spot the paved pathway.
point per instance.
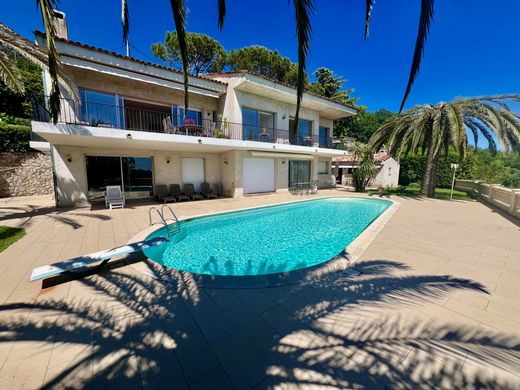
(437, 305)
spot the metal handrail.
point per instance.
(176, 228)
(129, 118)
(150, 215)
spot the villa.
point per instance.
(387, 174)
(130, 128)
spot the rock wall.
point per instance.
(25, 174)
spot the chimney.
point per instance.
(60, 24)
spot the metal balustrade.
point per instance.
(129, 118)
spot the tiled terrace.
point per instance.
(437, 305)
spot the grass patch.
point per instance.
(9, 235)
(413, 192)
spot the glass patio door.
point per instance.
(299, 172)
(133, 174)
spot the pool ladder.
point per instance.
(172, 228)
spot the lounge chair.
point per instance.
(189, 189)
(114, 198)
(207, 192)
(175, 191)
(161, 191)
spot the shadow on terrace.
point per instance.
(138, 331)
(26, 214)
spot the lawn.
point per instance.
(9, 235)
(413, 192)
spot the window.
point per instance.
(192, 114)
(304, 134)
(257, 125)
(324, 137)
(299, 172)
(102, 109)
(133, 174)
(323, 167)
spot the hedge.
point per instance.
(14, 138)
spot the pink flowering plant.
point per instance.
(189, 121)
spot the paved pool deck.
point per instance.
(437, 305)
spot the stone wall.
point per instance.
(25, 174)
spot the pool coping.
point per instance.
(339, 263)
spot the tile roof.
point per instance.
(228, 73)
(379, 157)
(113, 53)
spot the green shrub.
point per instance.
(14, 138)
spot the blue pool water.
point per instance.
(269, 239)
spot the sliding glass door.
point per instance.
(102, 109)
(299, 172)
(257, 125)
(304, 133)
(133, 174)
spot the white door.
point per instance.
(258, 175)
(193, 171)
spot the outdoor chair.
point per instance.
(161, 191)
(114, 198)
(207, 192)
(175, 191)
(189, 189)
(314, 187)
(168, 127)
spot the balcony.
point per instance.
(129, 118)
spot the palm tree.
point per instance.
(11, 42)
(365, 166)
(431, 128)
(303, 11)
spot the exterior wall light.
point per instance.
(283, 162)
(69, 158)
(129, 136)
(167, 160)
(226, 161)
(284, 116)
(200, 141)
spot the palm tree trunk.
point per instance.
(430, 173)
(433, 178)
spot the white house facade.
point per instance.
(128, 127)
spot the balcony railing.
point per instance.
(129, 118)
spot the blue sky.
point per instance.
(473, 47)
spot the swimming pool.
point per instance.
(267, 240)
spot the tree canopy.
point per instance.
(330, 85)
(205, 54)
(362, 125)
(264, 62)
(19, 104)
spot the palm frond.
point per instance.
(179, 17)
(221, 13)
(422, 34)
(53, 59)
(303, 9)
(368, 15)
(474, 131)
(125, 21)
(10, 74)
(34, 54)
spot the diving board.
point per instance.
(55, 269)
